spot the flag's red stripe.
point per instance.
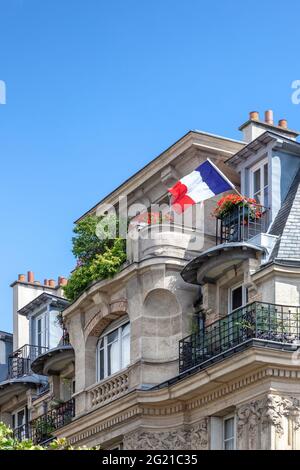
(180, 199)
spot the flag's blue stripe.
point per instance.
(212, 178)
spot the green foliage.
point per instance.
(97, 258)
(8, 442)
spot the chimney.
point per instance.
(21, 278)
(254, 127)
(283, 123)
(37, 283)
(30, 277)
(269, 117)
(51, 283)
(46, 282)
(254, 116)
(62, 281)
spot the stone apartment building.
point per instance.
(189, 346)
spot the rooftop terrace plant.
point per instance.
(97, 257)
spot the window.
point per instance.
(259, 183)
(41, 338)
(238, 297)
(19, 422)
(229, 433)
(113, 351)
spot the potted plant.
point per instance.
(227, 205)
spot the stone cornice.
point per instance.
(272, 269)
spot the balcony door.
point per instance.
(41, 339)
(259, 183)
(238, 297)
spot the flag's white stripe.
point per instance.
(197, 189)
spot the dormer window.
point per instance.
(259, 183)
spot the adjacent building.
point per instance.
(194, 343)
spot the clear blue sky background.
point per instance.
(96, 89)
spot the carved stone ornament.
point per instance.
(267, 411)
(196, 438)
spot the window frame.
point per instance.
(244, 296)
(44, 317)
(14, 417)
(119, 328)
(233, 438)
(259, 166)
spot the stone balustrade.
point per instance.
(109, 389)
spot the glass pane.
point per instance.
(229, 428)
(113, 336)
(101, 343)
(266, 174)
(125, 351)
(101, 364)
(21, 417)
(113, 358)
(256, 181)
(266, 197)
(126, 329)
(237, 297)
(228, 445)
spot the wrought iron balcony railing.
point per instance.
(19, 362)
(21, 432)
(241, 224)
(42, 428)
(274, 325)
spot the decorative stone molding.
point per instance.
(195, 438)
(168, 440)
(107, 313)
(199, 435)
(257, 417)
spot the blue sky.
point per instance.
(96, 89)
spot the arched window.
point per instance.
(113, 350)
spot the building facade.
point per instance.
(194, 343)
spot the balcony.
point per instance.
(53, 361)
(41, 429)
(109, 389)
(241, 224)
(19, 362)
(21, 432)
(256, 324)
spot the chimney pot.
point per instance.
(254, 116)
(37, 282)
(63, 281)
(45, 282)
(283, 123)
(51, 283)
(30, 277)
(21, 277)
(269, 117)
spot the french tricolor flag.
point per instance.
(203, 183)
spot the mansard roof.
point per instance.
(287, 226)
(261, 141)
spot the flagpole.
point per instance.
(225, 177)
